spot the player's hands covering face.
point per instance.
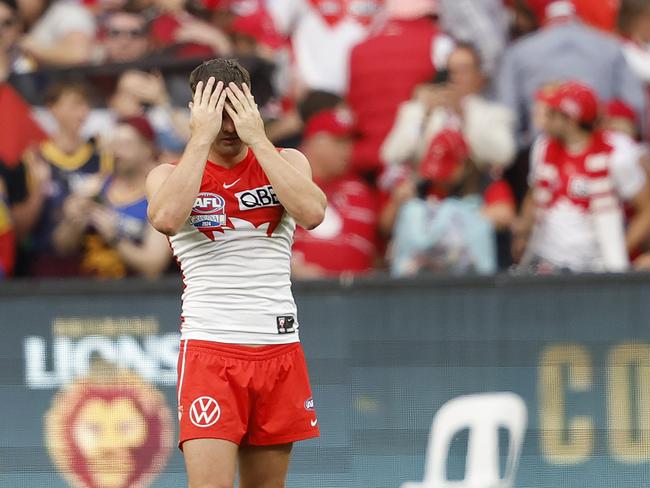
(243, 111)
(207, 110)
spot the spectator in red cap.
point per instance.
(345, 243)
(110, 229)
(564, 48)
(451, 227)
(386, 67)
(580, 178)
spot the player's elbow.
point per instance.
(313, 217)
(163, 223)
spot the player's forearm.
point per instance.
(143, 260)
(171, 204)
(299, 195)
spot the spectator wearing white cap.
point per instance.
(564, 48)
(63, 36)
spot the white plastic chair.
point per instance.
(483, 414)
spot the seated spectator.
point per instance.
(63, 36)
(145, 94)
(124, 37)
(580, 179)
(7, 238)
(111, 228)
(564, 48)
(345, 243)
(411, 42)
(450, 227)
(69, 164)
(184, 35)
(457, 104)
(138, 93)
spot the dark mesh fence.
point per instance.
(87, 379)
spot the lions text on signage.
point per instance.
(209, 211)
(205, 411)
(262, 196)
(128, 342)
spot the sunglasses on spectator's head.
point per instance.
(125, 32)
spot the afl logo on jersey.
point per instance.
(209, 211)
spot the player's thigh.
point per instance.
(210, 463)
(264, 466)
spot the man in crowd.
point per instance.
(345, 243)
(580, 178)
(111, 228)
(66, 164)
(455, 103)
(564, 48)
(125, 37)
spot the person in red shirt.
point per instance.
(345, 243)
(385, 68)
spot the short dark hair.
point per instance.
(225, 70)
(316, 101)
(629, 10)
(11, 5)
(57, 90)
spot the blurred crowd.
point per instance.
(450, 136)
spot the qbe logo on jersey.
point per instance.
(205, 411)
(209, 211)
(262, 196)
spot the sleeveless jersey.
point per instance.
(234, 252)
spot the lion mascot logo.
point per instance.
(109, 430)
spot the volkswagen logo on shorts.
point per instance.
(205, 411)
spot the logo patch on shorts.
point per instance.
(309, 404)
(285, 324)
(205, 411)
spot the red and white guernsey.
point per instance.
(579, 199)
(235, 252)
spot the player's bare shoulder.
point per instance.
(157, 177)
